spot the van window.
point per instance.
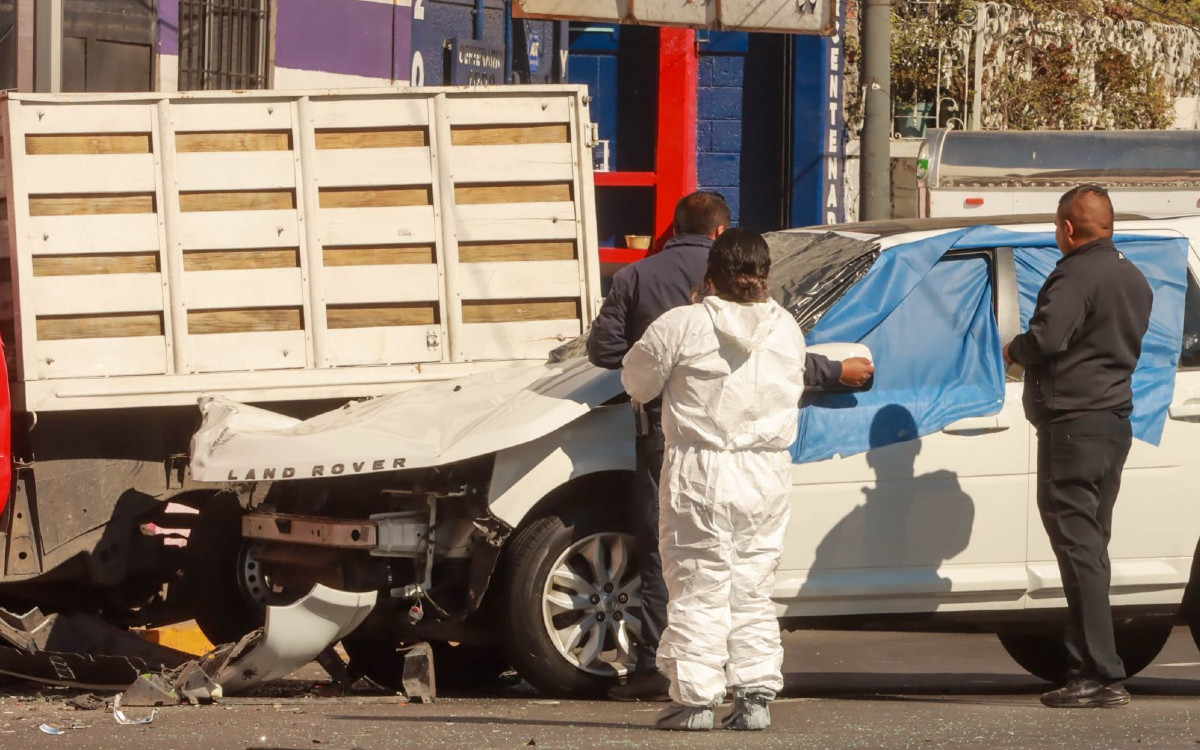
(1189, 356)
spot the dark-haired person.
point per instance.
(640, 293)
(1082, 346)
(730, 371)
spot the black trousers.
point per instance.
(1079, 475)
(645, 530)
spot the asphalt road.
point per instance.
(844, 690)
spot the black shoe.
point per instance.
(1086, 693)
(643, 685)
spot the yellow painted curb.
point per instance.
(186, 638)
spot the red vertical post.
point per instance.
(675, 154)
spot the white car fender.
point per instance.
(601, 440)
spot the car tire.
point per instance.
(1044, 654)
(210, 572)
(542, 555)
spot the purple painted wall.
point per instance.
(168, 27)
(352, 37)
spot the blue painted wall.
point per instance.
(743, 124)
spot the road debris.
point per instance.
(87, 702)
(52, 729)
(121, 718)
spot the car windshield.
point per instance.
(810, 272)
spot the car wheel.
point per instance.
(228, 586)
(573, 599)
(211, 572)
(1044, 654)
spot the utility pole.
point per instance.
(25, 34)
(875, 195)
(48, 48)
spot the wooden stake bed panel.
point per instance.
(165, 244)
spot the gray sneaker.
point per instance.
(750, 709)
(686, 718)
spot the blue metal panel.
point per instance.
(445, 20)
(810, 129)
(818, 129)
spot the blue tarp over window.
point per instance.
(931, 327)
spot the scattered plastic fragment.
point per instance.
(121, 718)
(52, 729)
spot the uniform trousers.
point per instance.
(1080, 460)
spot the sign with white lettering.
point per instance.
(784, 16)
(475, 64)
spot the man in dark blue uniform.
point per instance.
(640, 293)
(1082, 346)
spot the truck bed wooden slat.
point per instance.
(247, 170)
(95, 264)
(267, 287)
(378, 166)
(91, 204)
(79, 295)
(517, 340)
(465, 136)
(233, 142)
(346, 113)
(109, 144)
(229, 260)
(372, 226)
(140, 355)
(484, 252)
(520, 109)
(119, 325)
(109, 173)
(384, 346)
(237, 200)
(70, 235)
(373, 138)
(264, 114)
(472, 195)
(239, 230)
(515, 280)
(219, 352)
(380, 197)
(371, 284)
(257, 319)
(375, 315)
(519, 310)
(45, 117)
(537, 163)
(509, 222)
(379, 255)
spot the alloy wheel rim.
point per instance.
(592, 604)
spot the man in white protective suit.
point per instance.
(730, 370)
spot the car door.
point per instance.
(1156, 522)
(933, 524)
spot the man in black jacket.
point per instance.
(640, 293)
(1082, 346)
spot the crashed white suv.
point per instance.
(492, 512)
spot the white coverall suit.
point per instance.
(731, 376)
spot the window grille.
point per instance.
(223, 44)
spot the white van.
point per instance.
(518, 543)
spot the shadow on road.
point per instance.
(910, 686)
(494, 720)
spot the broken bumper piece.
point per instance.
(294, 636)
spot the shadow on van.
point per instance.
(906, 523)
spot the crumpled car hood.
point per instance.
(427, 425)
